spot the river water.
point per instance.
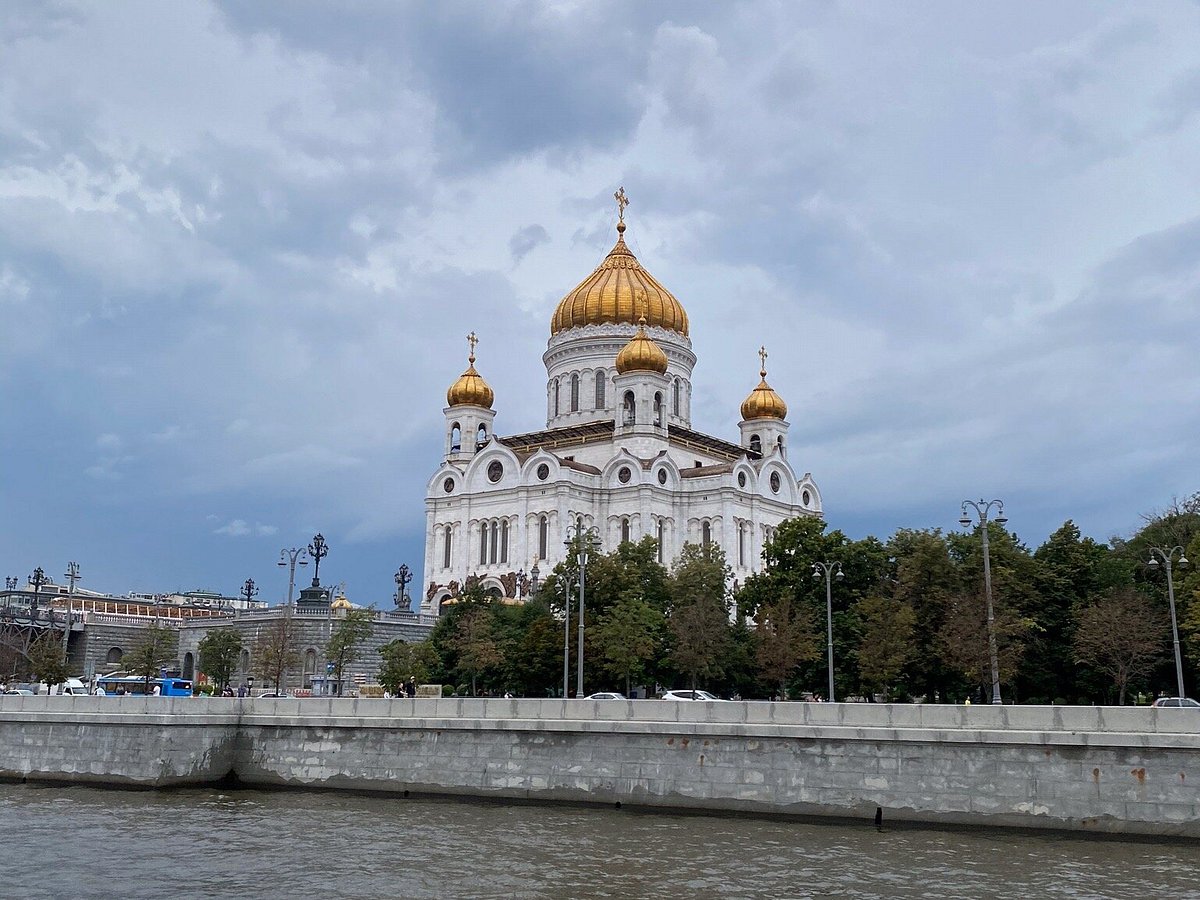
(87, 842)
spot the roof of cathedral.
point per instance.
(702, 471)
(763, 402)
(685, 436)
(470, 389)
(552, 438)
(617, 292)
(641, 354)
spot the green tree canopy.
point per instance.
(699, 614)
(157, 646)
(628, 636)
(345, 643)
(47, 661)
(219, 653)
(402, 661)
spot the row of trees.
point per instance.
(1076, 620)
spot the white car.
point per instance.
(605, 695)
(689, 695)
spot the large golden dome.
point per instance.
(619, 291)
(763, 402)
(641, 354)
(470, 389)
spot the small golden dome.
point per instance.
(641, 354)
(617, 292)
(763, 402)
(470, 389)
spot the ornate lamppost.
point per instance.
(1168, 556)
(831, 570)
(38, 579)
(403, 577)
(583, 541)
(249, 591)
(317, 551)
(291, 559)
(10, 583)
(72, 575)
(982, 508)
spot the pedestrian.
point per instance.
(241, 690)
(410, 687)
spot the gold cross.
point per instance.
(622, 202)
(472, 340)
(762, 356)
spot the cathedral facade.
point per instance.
(618, 456)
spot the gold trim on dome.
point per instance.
(763, 402)
(611, 293)
(470, 389)
(641, 354)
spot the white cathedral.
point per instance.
(618, 455)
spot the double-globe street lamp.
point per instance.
(982, 509)
(831, 570)
(291, 559)
(1168, 556)
(403, 576)
(583, 541)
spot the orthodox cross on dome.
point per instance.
(762, 358)
(472, 340)
(641, 305)
(622, 202)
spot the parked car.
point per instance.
(605, 695)
(689, 695)
(272, 694)
(20, 692)
(1176, 702)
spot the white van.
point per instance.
(71, 687)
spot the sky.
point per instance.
(241, 246)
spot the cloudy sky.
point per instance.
(241, 245)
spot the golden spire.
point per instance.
(763, 402)
(622, 202)
(470, 389)
(641, 354)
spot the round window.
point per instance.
(805, 498)
(662, 476)
(495, 471)
(448, 485)
(741, 479)
(624, 475)
(775, 482)
(543, 472)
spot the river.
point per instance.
(88, 842)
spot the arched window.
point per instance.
(189, 666)
(114, 655)
(481, 436)
(578, 524)
(495, 540)
(624, 531)
(629, 407)
(310, 666)
(245, 663)
(483, 534)
(741, 545)
(455, 438)
(504, 541)
(706, 535)
(675, 398)
(658, 416)
(447, 547)
(660, 540)
(575, 392)
(779, 442)
(543, 536)
(556, 396)
(755, 443)
(601, 377)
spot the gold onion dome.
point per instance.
(641, 354)
(763, 402)
(617, 292)
(470, 389)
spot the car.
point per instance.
(1176, 702)
(689, 695)
(20, 692)
(272, 694)
(605, 695)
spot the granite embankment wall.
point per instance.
(1107, 769)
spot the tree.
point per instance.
(47, 661)
(402, 661)
(276, 649)
(699, 617)
(346, 641)
(475, 644)
(786, 632)
(888, 641)
(627, 636)
(219, 653)
(1123, 635)
(158, 645)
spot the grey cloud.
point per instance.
(524, 241)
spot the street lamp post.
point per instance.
(38, 579)
(584, 540)
(291, 559)
(830, 570)
(317, 551)
(1168, 557)
(403, 577)
(72, 576)
(982, 508)
(249, 591)
(565, 587)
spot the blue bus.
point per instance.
(122, 685)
